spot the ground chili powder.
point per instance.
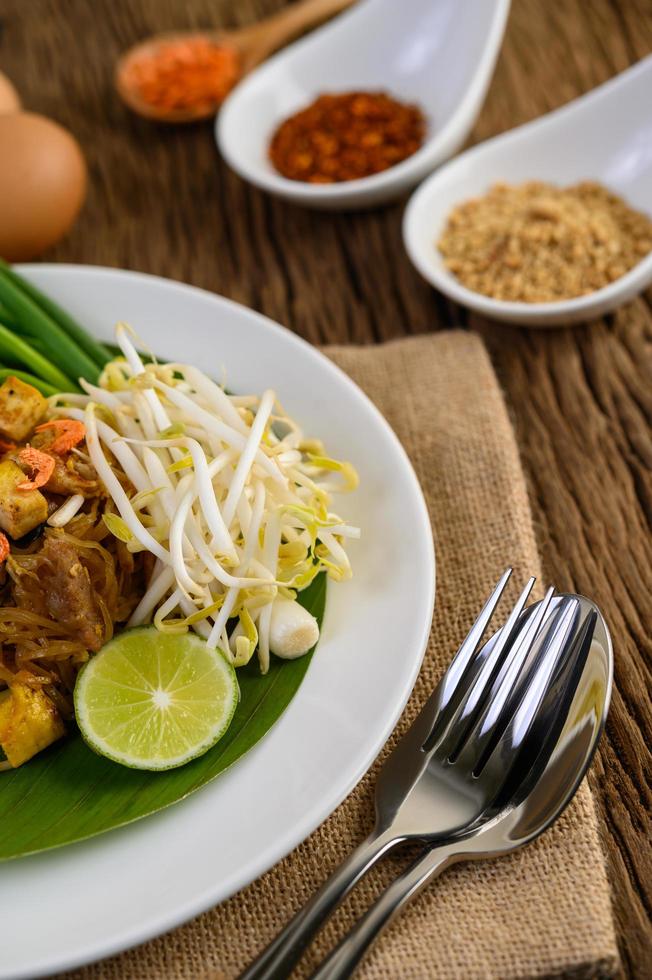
(188, 73)
(346, 136)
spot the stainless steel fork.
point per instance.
(449, 768)
(558, 735)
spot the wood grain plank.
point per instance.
(162, 201)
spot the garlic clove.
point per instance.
(293, 630)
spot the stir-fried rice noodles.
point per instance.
(152, 497)
(46, 632)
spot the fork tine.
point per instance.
(459, 675)
(471, 746)
(540, 678)
(450, 682)
(475, 694)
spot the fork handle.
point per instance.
(283, 953)
(345, 957)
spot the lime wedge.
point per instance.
(152, 700)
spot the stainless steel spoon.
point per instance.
(460, 757)
(571, 720)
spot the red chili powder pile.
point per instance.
(189, 74)
(346, 136)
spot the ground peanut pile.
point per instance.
(536, 243)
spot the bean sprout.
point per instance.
(227, 494)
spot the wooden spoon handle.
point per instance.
(260, 40)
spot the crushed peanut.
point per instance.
(536, 243)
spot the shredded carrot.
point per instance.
(4, 547)
(6, 446)
(41, 464)
(69, 433)
(193, 73)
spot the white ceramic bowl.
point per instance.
(437, 53)
(605, 136)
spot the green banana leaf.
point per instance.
(68, 793)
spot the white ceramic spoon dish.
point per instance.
(604, 136)
(437, 53)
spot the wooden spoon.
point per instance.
(253, 44)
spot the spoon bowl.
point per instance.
(604, 136)
(147, 49)
(439, 54)
(553, 782)
(252, 44)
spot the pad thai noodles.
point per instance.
(152, 497)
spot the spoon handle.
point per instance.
(340, 964)
(273, 32)
(278, 959)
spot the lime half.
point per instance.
(152, 700)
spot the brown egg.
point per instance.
(42, 184)
(9, 101)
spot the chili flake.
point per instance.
(346, 136)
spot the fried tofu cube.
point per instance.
(28, 723)
(21, 408)
(20, 510)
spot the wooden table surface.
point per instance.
(162, 201)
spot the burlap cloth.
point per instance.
(543, 911)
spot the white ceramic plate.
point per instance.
(85, 901)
